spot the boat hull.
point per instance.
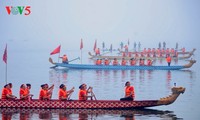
(117, 67)
(76, 104)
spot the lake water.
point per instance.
(32, 66)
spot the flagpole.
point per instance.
(58, 57)
(81, 56)
(6, 74)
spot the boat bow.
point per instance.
(189, 64)
(176, 91)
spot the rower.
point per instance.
(45, 92)
(28, 87)
(98, 62)
(23, 95)
(6, 94)
(141, 62)
(115, 62)
(129, 92)
(149, 62)
(123, 62)
(63, 93)
(83, 92)
(64, 59)
(132, 61)
(106, 61)
(10, 87)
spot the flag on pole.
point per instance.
(95, 45)
(5, 55)
(57, 50)
(81, 45)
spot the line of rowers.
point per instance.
(63, 93)
(154, 52)
(124, 62)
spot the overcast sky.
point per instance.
(65, 22)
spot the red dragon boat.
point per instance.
(91, 104)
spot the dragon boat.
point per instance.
(139, 57)
(91, 104)
(179, 52)
(120, 67)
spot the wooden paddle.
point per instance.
(71, 91)
(93, 95)
(78, 58)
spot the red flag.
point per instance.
(57, 50)
(5, 55)
(95, 45)
(81, 46)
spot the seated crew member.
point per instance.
(115, 62)
(141, 62)
(83, 92)
(28, 87)
(6, 94)
(64, 59)
(97, 62)
(44, 93)
(123, 62)
(10, 87)
(129, 92)
(149, 62)
(106, 62)
(63, 93)
(23, 94)
(132, 62)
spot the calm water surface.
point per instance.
(33, 67)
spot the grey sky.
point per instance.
(65, 22)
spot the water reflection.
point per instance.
(83, 114)
(62, 75)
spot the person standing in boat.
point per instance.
(97, 51)
(168, 59)
(63, 94)
(83, 92)
(6, 94)
(64, 59)
(129, 92)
